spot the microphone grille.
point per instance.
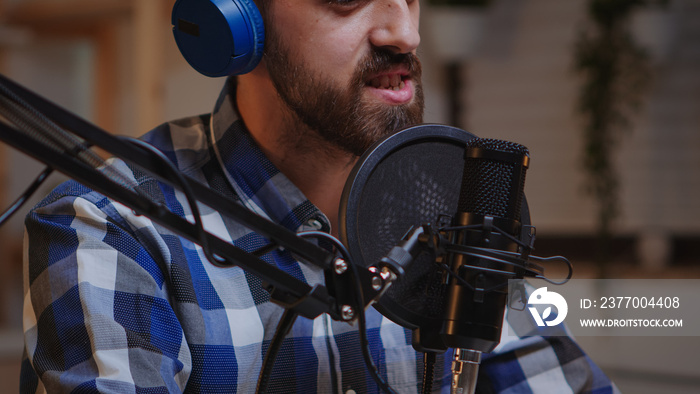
(497, 145)
(493, 181)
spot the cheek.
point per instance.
(326, 43)
(335, 55)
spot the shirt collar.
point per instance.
(261, 186)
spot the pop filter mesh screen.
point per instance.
(411, 178)
(413, 185)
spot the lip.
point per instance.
(390, 96)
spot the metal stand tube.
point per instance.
(465, 369)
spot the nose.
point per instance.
(397, 25)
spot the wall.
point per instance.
(520, 85)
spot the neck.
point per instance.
(318, 168)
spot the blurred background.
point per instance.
(604, 93)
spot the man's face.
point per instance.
(346, 68)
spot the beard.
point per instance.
(340, 115)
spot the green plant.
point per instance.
(615, 74)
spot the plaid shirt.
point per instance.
(114, 303)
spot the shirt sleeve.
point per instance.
(97, 316)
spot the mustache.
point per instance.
(380, 60)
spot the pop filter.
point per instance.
(405, 180)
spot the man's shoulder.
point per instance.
(176, 139)
(189, 133)
(71, 199)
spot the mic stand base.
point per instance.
(465, 369)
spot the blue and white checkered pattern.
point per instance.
(114, 303)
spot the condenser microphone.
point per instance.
(470, 192)
(487, 221)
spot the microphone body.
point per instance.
(488, 218)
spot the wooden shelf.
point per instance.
(48, 12)
(100, 21)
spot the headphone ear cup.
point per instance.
(219, 37)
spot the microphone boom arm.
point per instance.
(286, 290)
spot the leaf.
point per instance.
(546, 313)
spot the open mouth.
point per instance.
(392, 81)
(394, 87)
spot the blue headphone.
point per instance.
(219, 37)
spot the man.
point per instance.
(115, 303)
